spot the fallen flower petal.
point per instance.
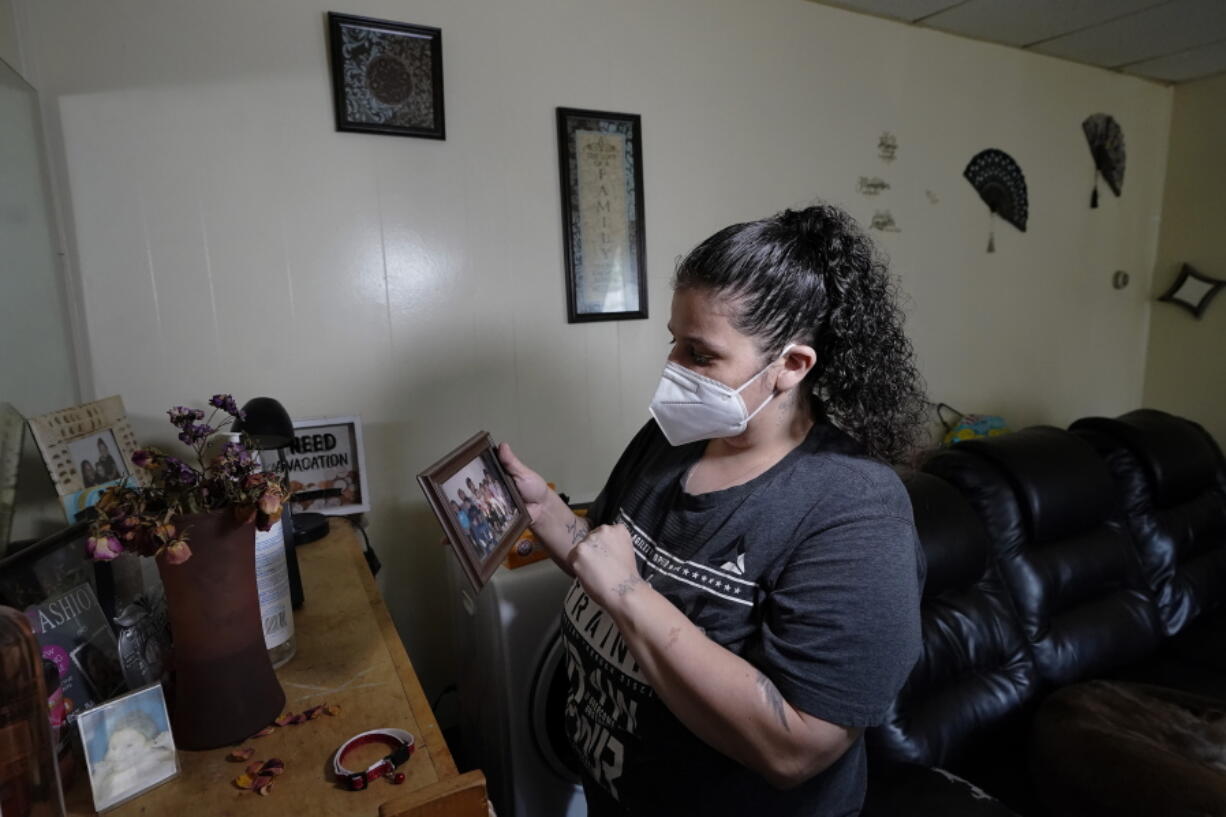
(313, 712)
(244, 781)
(239, 755)
(267, 730)
(284, 719)
(333, 709)
(263, 784)
(254, 768)
(273, 766)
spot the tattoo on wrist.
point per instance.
(773, 699)
(577, 528)
(629, 584)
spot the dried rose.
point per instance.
(103, 547)
(177, 552)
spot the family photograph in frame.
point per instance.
(477, 504)
(86, 448)
(129, 748)
(600, 159)
(387, 77)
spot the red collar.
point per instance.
(402, 748)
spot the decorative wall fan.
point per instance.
(1001, 185)
(1107, 147)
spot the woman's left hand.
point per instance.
(604, 564)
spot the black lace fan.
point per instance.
(1001, 185)
(1107, 147)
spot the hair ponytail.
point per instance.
(812, 276)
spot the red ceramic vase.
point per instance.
(224, 689)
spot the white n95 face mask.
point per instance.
(689, 407)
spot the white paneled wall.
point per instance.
(226, 237)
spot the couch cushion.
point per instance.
(908, 790)
(1108, 749)
(1063, 550)
(975, 672)
(1172, 490)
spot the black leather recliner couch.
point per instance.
(1056, 560)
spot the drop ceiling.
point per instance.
(1164, 40)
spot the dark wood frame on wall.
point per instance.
(631, 127)
(477, 568)
(335, 22)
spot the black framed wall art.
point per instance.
(387, 77)
(600, 156)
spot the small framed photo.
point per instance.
(129, 748)
(600, 156)
(477, 504)
(326, 466)
(387, 77)
(86, 448)
(12, 435)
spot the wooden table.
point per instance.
(349, 654)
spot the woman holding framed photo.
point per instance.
(746, 596)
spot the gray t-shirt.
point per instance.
(811, 572)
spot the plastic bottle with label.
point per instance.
(272, 582)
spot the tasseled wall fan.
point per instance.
(1001, 185)
(1107, 147)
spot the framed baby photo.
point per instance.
(86, 449)
(129, 748)
(477, 504)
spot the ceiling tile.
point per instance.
(1194, 64)
(906, 10)
(1022, 23)
(1174, 26)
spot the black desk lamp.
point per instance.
(268, 425)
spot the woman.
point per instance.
(747, 583)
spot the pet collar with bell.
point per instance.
(402, 747)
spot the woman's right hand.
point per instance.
(530, 484)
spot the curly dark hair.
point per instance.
(812, 276)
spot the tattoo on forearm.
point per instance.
(628, 585)
(673, 634)
(577, 528)
(773, 699)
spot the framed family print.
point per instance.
(387, 77)
(86, 449)
(325, 466)
(129, 748)
(477, 505)
(600, 156)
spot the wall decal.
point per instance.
(871, 186)
(1107, 147)
(887, 146)
(883, 220)
(933, 198)
(1001, 185)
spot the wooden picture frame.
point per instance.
(480, 542)
(600, 161)
(387, 77)
(71, 439)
